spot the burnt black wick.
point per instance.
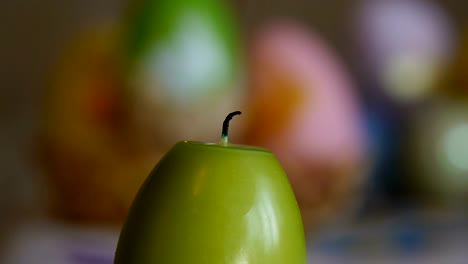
(224, 134)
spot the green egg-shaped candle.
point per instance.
(182, 62)
(207, 203)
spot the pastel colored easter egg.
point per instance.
(89, 153)
(304, 108)
(438, 154)
(183, 64)
(403, 46)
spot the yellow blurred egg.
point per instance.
(90, 155)
(303, 107)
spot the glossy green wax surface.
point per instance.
(213, 204)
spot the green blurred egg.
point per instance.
(182, 62)
(439, 154)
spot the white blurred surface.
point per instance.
(47, 242)
(414, 238)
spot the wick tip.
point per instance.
(224, 133)
(234, 114)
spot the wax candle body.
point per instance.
(210, 203)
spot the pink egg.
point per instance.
(305, 110)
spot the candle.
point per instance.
(214, 203)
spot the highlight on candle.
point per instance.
(224, 133)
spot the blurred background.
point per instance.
(365, 104)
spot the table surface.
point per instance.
(404, 239)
